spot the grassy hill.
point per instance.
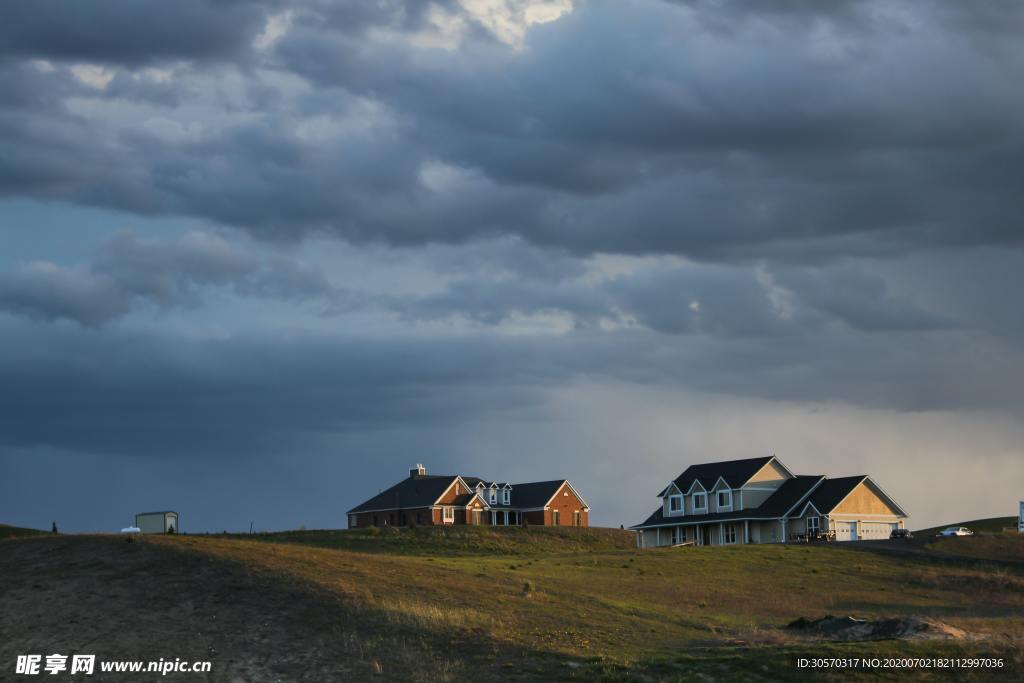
(17, 531)
(519, 604)
(992, 525)
(459, 540)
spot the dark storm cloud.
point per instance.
(717, 144)
(143, 396)
(128, 271)
(131, 32)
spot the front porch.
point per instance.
(697, 534)
(505, 517)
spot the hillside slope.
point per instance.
(7, 531)
(991, 525)
(263, 610)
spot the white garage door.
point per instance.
(846, 531)
(872, 531)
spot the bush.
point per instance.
(372, 530)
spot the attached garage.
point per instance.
(846, 531)
(873, 531)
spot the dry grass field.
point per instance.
(534, 604)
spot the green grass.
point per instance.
(17, 531)
(992, 525)
(457, 540)
(587, 597)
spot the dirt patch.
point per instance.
(851, 629)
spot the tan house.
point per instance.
(424, 500)
(759, 500)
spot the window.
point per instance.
(554, 517)
(577, 518)
(675, 503)
(700, 501)
(494, 496)
(448, 514)
(812, 525)
(725, 499)
(729, 533)
(677, 535)
(506, 496)
(353, 521)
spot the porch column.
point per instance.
(658, 532)
(506, 517)
(721, 533)
(746, 531)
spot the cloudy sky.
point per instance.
(259, 258)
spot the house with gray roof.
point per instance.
(423, 499)
(759, 500)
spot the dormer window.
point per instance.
(700, 502)
(494, 496)
(675, 504)
(724, 499)
(506, 497)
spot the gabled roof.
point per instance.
(411, 492)
(787, 501)
(465, 499)
(789, 495)
(534, 494)
(736, 473)
(424, 492)
(832, 491)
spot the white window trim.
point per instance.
(448, 514)
(731, 525)
(506, 497)
(494, 497)
(682, 504)
(817, 524)
(720, 506)
(703, 508)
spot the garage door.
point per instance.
(846, 531)
(872, 531)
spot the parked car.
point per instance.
(901, 534)
(955, 531)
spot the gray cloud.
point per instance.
(800, 203)
(730, 144)
(127, 32)
(129, 270)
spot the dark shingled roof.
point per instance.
(828, 495)
(735, 472)
(424, 491)
(409, 493)
(789, 494)
(534, 494)
(462, 500)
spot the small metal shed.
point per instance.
(162, 522)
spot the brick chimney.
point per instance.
(418, 472)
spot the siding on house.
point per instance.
(769, 504)
(422, 499)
